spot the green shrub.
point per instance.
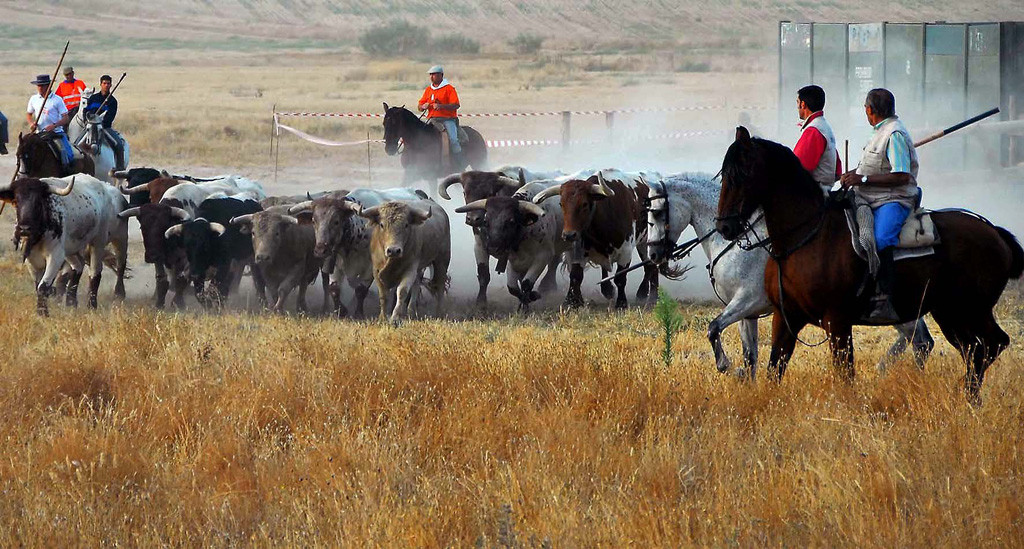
(455, 43)
(670, 319)
(395, 38)
(526, 43)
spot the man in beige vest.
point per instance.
(887, 179)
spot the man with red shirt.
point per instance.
(816, 148)
(441, 103)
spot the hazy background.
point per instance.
(204, 77)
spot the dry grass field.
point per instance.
(129, 426)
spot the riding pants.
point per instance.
(452, 129)
(889, 220)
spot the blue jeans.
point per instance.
(65, 149)
(453, 133)
(3, 129)
(889, 220)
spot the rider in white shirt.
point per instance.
(53, 118)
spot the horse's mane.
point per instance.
(779, 161)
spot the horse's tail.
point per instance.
(1017, 261)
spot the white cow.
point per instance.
(62, 219)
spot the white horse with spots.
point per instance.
(737, 275)
(86, 132)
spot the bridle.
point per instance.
(666, 241)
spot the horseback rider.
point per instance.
(109, 103)
(3, 133)
(816, 147)
(53, 119)
(70, 90)
(441, 102)
(886, 179)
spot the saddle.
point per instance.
(918, 236)
(53, 140)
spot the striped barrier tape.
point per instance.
(549, 113)
(505, 143)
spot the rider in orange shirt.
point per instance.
(441, 102)
(70, 90)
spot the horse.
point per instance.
(86, 132)
(737, 275)
(421, 157)
(813, 274)
(36, 159)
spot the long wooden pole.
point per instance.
(52, 80)
(956, 127)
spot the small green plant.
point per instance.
(670, 319)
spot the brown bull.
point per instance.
(605, 221)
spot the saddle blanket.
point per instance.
(917, 238)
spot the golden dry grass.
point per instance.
(129, 426)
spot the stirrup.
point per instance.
(882, 311)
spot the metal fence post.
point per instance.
(566, 130)
(609, 122)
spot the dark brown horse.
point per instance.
(36, 159)
(813, 275)
(421, 157)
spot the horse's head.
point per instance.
(397, 123)
(744, 182)
(32, 152)
(664, 224)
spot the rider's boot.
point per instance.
(882, 311)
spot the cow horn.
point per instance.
(419, 215)
(547, 193)
(63, 191)
(175, 230)
(475, 205)
(240, 219)
(352, 205)
(144, 188)
(180, 213)
(442, 188)
(509, 182)
(118, 175)
(373, 214)
(601, 188)
(291, 219)
(130, 212)
(522, 178)
(301, 207)
(526, 206)
(218, 228)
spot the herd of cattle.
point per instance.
(206, 232)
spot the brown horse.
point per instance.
(36, 159)
(813, 275)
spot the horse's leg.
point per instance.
(978, 338)
(993, 341)
(742, 305)
(748, 335)
(923, 343)
(783, 343)
(483, 270)
(840, 339)
(909, 332)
